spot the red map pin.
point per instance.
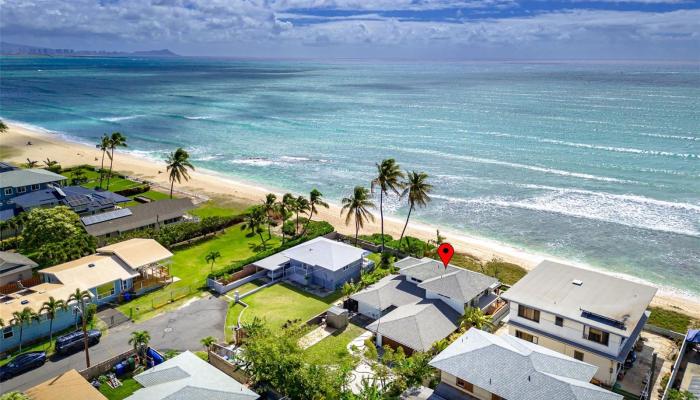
(446, 251)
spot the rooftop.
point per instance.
(325, 253)
(596, 299)
(392, 290)
(33, 298)
(424, 269)
(10, 261)
(25, 177)
(137, 253)
(519, 370)
(91, 271)
(68, 385)
(462, 285)
(272, 263)
(142, 215)
(188, 377)
(78, 198)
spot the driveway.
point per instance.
(180, 329)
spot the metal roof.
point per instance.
(106, 216)
(143, 215)
(25, 177)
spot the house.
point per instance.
(188, 377)
(423, 303)
(587, 315)
(15, 267)
(16, 182)
(68, 385)
(685, 372)
(82, 201)
(148, 215)
(319, 262)
(117, 271)
(480, 365)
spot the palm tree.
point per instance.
(301, 205)
(178, 162)
(103, 146)
(388, 179)
(80, 296)
(208, 341)
(212, 256)
(50, 163)
(116, 140)
(285, 207)
(315, 199)
(416, 189)
(21, 318)
(357, 206)
(254, 221)
(140, 339)
(51, 307)
(474, 317)
(31, 163)
(269, 208)
(3, 127)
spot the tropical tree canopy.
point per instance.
(3, 127)
(357, 206)
(54, 235)
(388, 179)
(177, 164)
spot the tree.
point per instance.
(301, 205)
(475, 318)
(78, 176)
(211, 257)
(51, 307)
(269, 208)
(357, 206)
(348, 289)
(253, 222)
(140, 339)
(285, 208)
(79, 296)
(178, 162)
(208, 341)
(31, 163)
(55, 235)
(674, 394)
(315, 200)
(116, 140)
(52, 165)
(3, 127)
(14, 395)
(416, 189)
(388, 179)
(21, 318)
(103, 146)
(414, 369)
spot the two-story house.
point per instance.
(16, 182)
(587, 315)
(423, 303)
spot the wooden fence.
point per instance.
(15, 287)
(105, 366)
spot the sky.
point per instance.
(365, 29)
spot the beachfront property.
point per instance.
(188, 377)
(319, 263)
(685, 375)
(15, 267)
(114, 273)
(16, 182)
(587, 315)
(68, 385)
(82, 201)
(483, 366)
(148, 215)
(423, 303)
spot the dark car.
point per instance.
(73, 342)
(631, 358)
(22, 363)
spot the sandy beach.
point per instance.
(15, 149)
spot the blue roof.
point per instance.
(78, 198)
(6, 214)
(693, 336)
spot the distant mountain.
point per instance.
(23, 50)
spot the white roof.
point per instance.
(188, 377)
(91, 271)
(272, 263)
(519, 370)
(325, 253)
(138, 252)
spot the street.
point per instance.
(180, 329)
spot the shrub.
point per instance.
(10, 243)
(134, 190)
(376, 238)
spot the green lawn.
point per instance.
(128, 387)
(116, 183)
(190, 266)
(673, 320)
(505, 272)
(151, 194)
(333, 349)
(214, 208)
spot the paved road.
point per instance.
(180, 329)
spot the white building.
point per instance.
(584, 314)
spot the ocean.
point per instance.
(597, 163)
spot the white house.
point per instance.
(587, 315)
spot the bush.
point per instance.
(376, 238)
(10, 243)
(134, 190)
(90, 311)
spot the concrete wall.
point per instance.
(367, 310)
(221, 289)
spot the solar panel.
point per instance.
(59, 191)
(76, 201)
(108, 216)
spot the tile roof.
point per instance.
(325, 253)
(519, 370)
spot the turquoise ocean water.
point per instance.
(596, 163)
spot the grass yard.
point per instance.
(151, 194)
(116, 183)
(673, 320)
(505, 272)
(128, 387)
(214, 208)
(333, 349)
(190, 266)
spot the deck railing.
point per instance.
(15, 287)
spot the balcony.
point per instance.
(151, 277)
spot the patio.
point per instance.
(636, 378)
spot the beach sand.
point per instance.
(14, 148)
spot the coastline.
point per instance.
(216, 185)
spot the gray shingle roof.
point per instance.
(392, 290)
(143, 215)
(425, 269)
(549, 287)
(417, 325)
(9, 261)
(25, 177)
(188, 377)
(519, 370)
(325, 253)
(462, 284)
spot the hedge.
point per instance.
(134, 190)
(10, 243)
(316, 229)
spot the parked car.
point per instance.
(631, 358)
(73, 342)
(22, 363)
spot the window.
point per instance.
(578, 355)
(558, 321)
(125, 286)
(22, 189)
(528, 313)
(526, 336)
(105, 290)
(7, 332)
(36, 187)
(465, 385)
(596, 335)
(8, 191)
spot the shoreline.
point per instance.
(67, 152)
